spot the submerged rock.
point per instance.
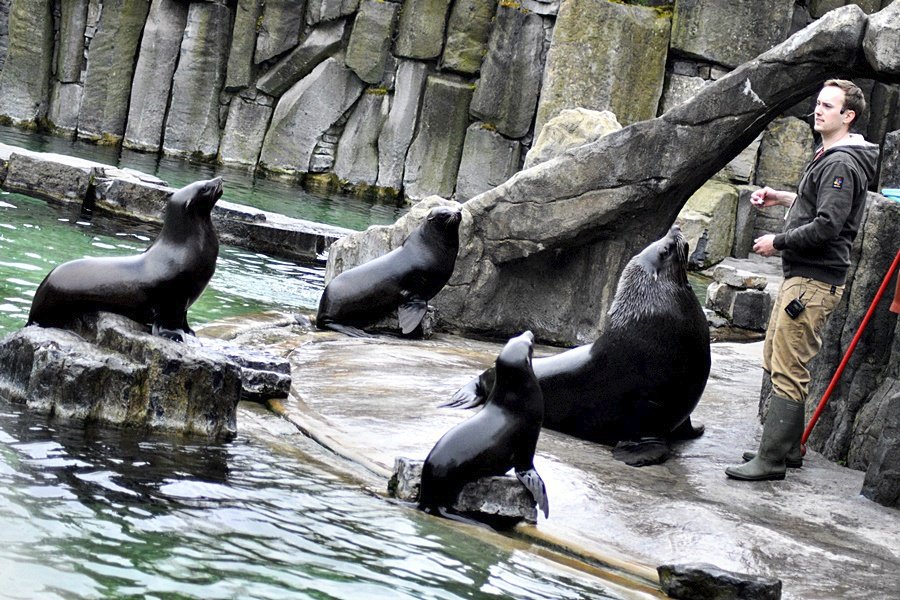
(108, 368)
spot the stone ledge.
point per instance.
(130, 194)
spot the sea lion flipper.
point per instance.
(687, 431)
(468, 396)
(411, 314)
(643, 452)
(347, 330)
(533, 482)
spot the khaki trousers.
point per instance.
(791, 343)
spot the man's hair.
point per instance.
(853, 97)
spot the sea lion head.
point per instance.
(666, 257)
(189, 204)
(653, 280)
(445, 220)
(515, 377)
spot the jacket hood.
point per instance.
(865, 154)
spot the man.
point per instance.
(821, 224)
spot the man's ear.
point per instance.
(849, 115)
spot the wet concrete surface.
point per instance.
(371, 400)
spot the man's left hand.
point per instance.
(764, 245)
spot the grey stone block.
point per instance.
(51, 176)
(507, 93)
(192, 125)
(356, 160)
(739, 278)
(248, 118)
(152, 82)
(432, 162)
(26, 70)
(880, 42)
(420, 32)
(487, 498)
(327, 10)
(467, 35)
(488, 159)
(243, 44)
(701, 581)
(370, 40)
(70, 49)
(751, 309)
(279, 28)
(397, 131)
(316, 46)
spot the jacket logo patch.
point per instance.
(838, 183)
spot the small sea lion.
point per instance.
(636, 385)
(500, 437)
(155, 287)
(404, 279)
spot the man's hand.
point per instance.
(766, 196)
(765, 245)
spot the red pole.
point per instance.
(849, 352)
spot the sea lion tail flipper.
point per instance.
(643, 452)
(687, 431)
(411, 314)
(533, 482)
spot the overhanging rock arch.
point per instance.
(544, 250)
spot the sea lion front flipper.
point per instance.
(643, 452)
(347, 330)
(176, 335)
(687, 431)
(411, 314)
(533, 482)
(468, 396)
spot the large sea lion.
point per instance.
(500, 437)
(637, 384)
(404, 279)
(155, 287)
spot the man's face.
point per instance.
(828, 115)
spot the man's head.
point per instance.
(839, 104)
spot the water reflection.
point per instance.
(240, 184)
(36, 236)
(88, 512)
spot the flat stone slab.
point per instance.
(131, 194)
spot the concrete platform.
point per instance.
(370, 400)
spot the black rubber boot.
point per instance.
(793, 460)
(781, 432)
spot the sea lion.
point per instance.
(404, 279)
(636, 385)
(500, 437)
(155, 287)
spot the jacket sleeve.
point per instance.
(837, 186)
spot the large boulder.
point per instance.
(278, 28)
(316, 46)
(370, 41)
(152, 82)
(467, 35)
(397, 131)
(880, 43)
(488, 159)
(192, 126)
(357, 152)
(624, 45)
(785, 149)
(707, 221)
(730, 33)
(420, 32)
(25, 77)
(305, 112)
(248, 117)
(432, 162)
(569, 129)
(239, 73)
(507, 93)
(110, 68)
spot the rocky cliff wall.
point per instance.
(412, 97)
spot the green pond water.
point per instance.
(88, 512)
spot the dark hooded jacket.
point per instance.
(822, 223)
